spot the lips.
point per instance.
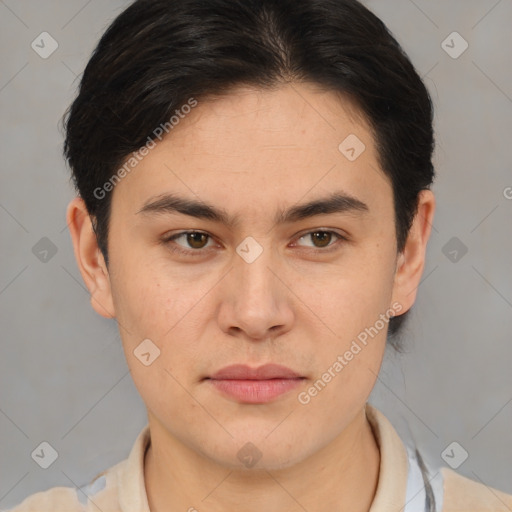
(255, 385)
(265, 372)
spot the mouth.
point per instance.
(255, 385)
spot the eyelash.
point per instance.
(200, 252)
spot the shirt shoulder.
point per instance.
(114, 490)
(54, 499)
(462, 494)
(100, 494)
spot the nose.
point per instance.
(256, 303)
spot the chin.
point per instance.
(259, 452)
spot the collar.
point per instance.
(131, 485)
(394, 465)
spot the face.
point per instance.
(261, 279)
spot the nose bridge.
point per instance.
(256, 283)
(258, 301)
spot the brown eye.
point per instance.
(188, 242)
(321, 238)
(197, 240)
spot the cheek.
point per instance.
(353, 303)
(350, 297)
(153, 312)
(348, 357)
(151, 296)
(157, 311)
(167, 307)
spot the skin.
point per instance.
(254, 153)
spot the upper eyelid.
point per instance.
(296, 237)
(170, 238)
(341, 234)
(320, 231)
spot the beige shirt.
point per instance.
(121, 488)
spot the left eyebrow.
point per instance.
(337, 202)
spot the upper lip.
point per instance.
(244, 372)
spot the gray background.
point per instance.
(63, 378)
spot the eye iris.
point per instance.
(323, 237)
(197, 240)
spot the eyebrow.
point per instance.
(337, 202)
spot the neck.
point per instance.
(342, 476)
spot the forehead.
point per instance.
(262, 146)
(301, 116)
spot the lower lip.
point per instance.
(255, 391)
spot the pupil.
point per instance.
(196, 240)
(323, 237)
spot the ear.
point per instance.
(411, 261)
(89, 258)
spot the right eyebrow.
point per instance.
(171, 203)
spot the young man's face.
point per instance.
(273, 286)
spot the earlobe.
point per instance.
(411, 261)
(89, 258)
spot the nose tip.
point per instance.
(256, 303)
(257, 334)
